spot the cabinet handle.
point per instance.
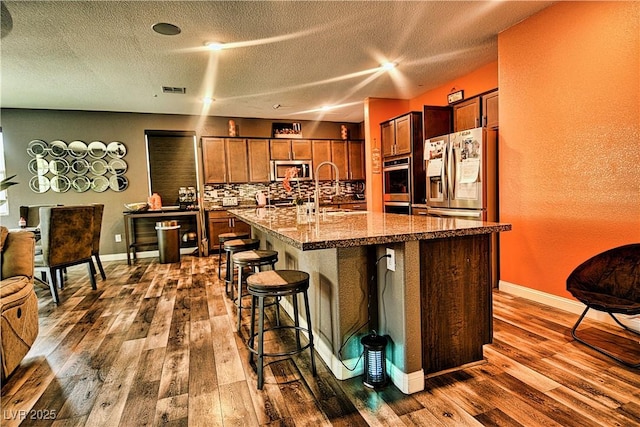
(476, 121)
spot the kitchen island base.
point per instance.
(434, 309)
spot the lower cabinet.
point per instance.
(219, 222)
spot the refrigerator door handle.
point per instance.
(450, 172)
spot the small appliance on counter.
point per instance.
(187, 198)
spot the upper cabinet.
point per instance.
(490, 110)
(235, 160)
(258, 160)
(213, 159)
(479, 111)
(466, 114)
(239, 160)
(400, 135)
(356, 160)
(290, 149)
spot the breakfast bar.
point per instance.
(432, 301)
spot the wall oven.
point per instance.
(279, 168)
(396, 175)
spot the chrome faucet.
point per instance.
(317, 190)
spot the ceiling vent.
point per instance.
(171, 89)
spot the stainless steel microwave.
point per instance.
(279, 169)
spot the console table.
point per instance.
(147, 237)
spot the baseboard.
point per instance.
(407, 383)
(565, 304)
(141, 254)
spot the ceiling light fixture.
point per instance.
(388, 65)
(166, 29)
(275, 106)
(207, 100)
(214, 46)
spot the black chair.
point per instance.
(608, 282)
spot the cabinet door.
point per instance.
(466, 115)
(340, 156)
(216, 226)
(241, 226)
(258, 160)
(490, 110)
(213, 159)
(388, 138)
(356, 160)
(403, 135)
(280, 149)
(237, 162)
(301, 149)
(321, 152)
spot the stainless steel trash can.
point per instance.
(168, 241)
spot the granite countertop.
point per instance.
(342, 228)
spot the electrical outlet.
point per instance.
(391, 259)
(118, 238)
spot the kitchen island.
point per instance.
(433, 305)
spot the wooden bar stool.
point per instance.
(231, 247)
(278, 283)
(223, 237)
(254, 259)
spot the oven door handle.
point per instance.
(396, 168)
(397, 204)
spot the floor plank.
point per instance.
(156, 345)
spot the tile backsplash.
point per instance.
(245, 193)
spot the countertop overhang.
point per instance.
(342, 229)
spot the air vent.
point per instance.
(171, 89)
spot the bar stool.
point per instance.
(231, 247)
(278, 283)
(223, 237)
(254, 259)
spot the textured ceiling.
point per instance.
(103, 55)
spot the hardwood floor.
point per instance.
(156, 345)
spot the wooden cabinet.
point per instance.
(340, 156)
(290, 149)
(356, 160)
(490, 110)
(213, 158)
(237, 160)
(404, 141)
(219, 222)
(321, 152)
(388, 138)
(258, 160)
(436, 121)
(361, 206)
(401, 135)
(466, 115)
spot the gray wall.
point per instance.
(20, 126)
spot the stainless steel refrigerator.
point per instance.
(461, 174)
(462, 179)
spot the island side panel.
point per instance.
(455, 301)
(399, 314)
(338, 296)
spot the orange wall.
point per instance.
(377, 110)
(481, 80)
(569, 139)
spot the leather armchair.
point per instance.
(66, 239)
(18, 301)
(98, 211)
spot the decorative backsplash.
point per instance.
(246, 193)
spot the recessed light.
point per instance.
(275, 106)
(207, 100)
(388, 65)
(214, 45)
(166, 29)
